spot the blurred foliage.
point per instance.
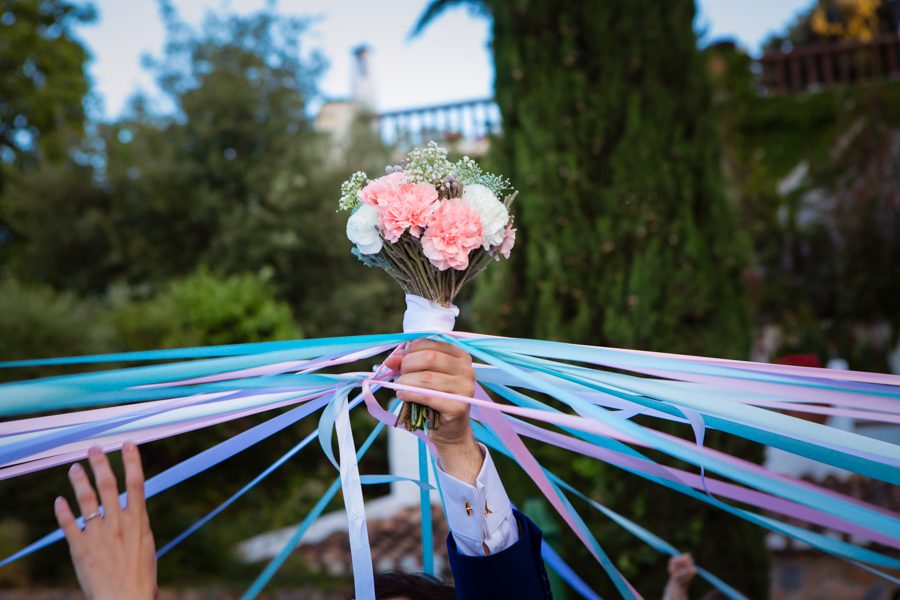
(837, 20)
(845, 19)
(203, 310)
(39, 322)
(814, 178)
(43, 86)
(42, 80)
(13, 537)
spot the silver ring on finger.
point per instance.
(92, 516)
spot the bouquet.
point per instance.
(433, 225)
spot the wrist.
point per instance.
(675, 592)
(453, 441)
(461, 458)
(129, 594)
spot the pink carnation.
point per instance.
(454, 231)
(380, 188)
(508, 242)
(406, 206)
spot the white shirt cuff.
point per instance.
(491, 522)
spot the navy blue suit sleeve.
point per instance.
(516, 573)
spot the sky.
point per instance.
(449, 61)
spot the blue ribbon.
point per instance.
(425, 503)
(565, 571)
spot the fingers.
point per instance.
(428, 355)
(681, 569)
(134, 479)
(433, 360)
(106, 485)
(445, 347)
(436, 366)
(441, 382)
(67, 523)
(680, 563)
(393, 362)
(84, 492)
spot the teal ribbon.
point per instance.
(425, 503)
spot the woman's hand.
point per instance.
(114, 557)
(681, 571)
(443, 367)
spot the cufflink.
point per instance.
(469, 508)
(487, 511)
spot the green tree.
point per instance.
(42, 78)
(627, 238)
(153, 196)
(236, 181)
(42, 88)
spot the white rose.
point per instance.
(494, 216)
(362, 229)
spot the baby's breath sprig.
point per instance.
(468, 173)
(428, 164)
(350, 188)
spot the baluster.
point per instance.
(844, 66)
(893, 48)
(780, 74)
(827, 68)
(796, 75)
(877, 67)
(812, 71)
(473, 116)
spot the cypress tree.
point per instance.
(626, 237)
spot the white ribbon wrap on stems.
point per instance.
(424, 315)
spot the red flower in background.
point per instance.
(800, 360)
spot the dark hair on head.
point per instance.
(415, 586)
(896, 595)
(715, 595)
